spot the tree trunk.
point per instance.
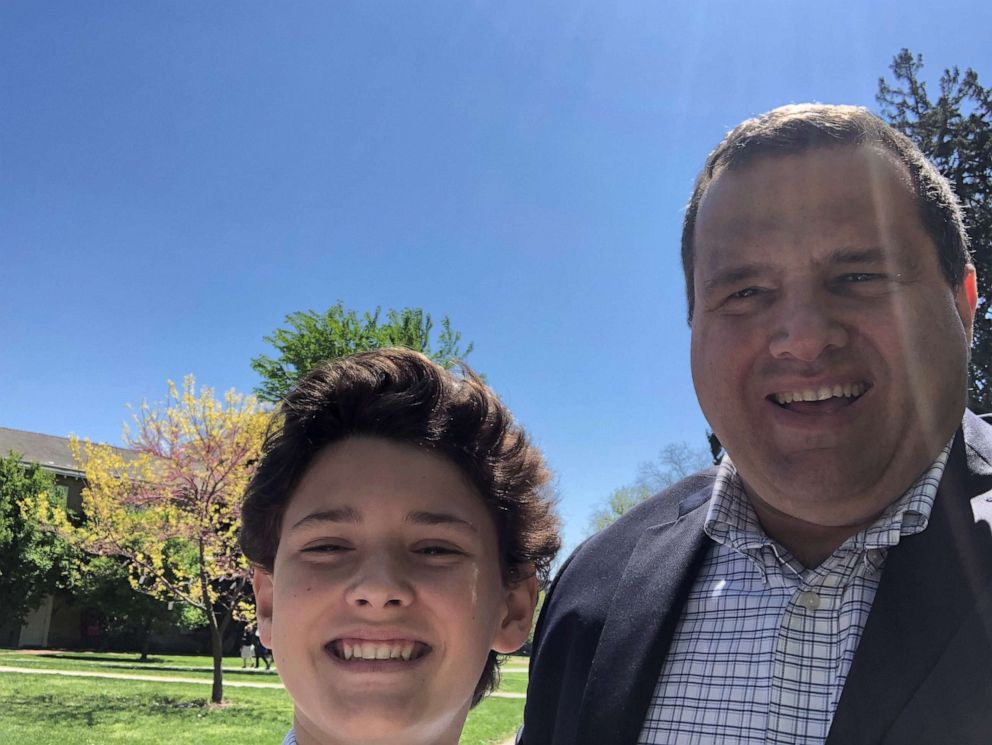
(217, 647)
(146, 638)
(216, 638)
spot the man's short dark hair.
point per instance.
(793, 129)
(403, 396)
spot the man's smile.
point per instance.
(822, 393)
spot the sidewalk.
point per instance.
(170, 679)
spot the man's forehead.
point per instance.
(856, 195)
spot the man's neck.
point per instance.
(810, 543)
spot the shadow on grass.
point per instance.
(118, 663)
(94, 710)
(96, 657)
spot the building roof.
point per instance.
(50, 451)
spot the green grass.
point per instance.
(128, 664)
(47, 710)
(51, 710)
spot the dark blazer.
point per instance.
(922, 672)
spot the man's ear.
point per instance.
(521, 599)
(966, 299)
(261, 582)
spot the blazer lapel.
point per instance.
(638, 630)
(929, 584)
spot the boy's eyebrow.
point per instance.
(439, 518)
(350, 515)
(334, 515)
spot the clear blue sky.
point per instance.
(176, 177)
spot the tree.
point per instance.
(674, 463)
(621, 500)
(102, 583)
(314, 337)
(955, 132)
(170, 508)
(33, 562)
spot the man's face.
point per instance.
(386, 596)
(815, 279)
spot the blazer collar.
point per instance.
(638, 629)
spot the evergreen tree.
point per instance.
(955, 132)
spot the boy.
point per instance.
(398, 526)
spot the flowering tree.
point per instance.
(169, 506)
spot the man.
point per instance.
(831, 581)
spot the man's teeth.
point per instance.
(851, 390)
(376, 650)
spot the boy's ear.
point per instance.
(261, 582)
(521, 599)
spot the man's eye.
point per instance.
(745, 293)
(860, 277)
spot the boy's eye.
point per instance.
(326, 548)
(434, 549)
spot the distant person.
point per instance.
(831, 581)
(398, 525)
(247, 646)
(261, 651)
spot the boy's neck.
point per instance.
(306, 734)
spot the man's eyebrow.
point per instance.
(334, 515)
(439, 518)
(858, 256)
(733, 275)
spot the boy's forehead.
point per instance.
(362, 479)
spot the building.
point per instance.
(57, 622)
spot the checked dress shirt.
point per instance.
(764, 645)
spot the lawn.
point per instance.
(53, 710)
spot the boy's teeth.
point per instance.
(376, 650)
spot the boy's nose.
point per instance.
(380, 583)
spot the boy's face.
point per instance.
(386, 596)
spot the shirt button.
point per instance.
(808, 600)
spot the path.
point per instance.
(170, 679)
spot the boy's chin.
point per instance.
(371, 718)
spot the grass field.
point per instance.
(56, 710)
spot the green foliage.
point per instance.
(674, 463)
(620, 501)
(955, 132)
(33, 562)
(102, 583)
(314, 337)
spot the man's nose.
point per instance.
(380, 582)
(806, 328)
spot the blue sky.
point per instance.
(176, 177)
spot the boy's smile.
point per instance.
(386, 596)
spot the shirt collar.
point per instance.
(732, 521)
